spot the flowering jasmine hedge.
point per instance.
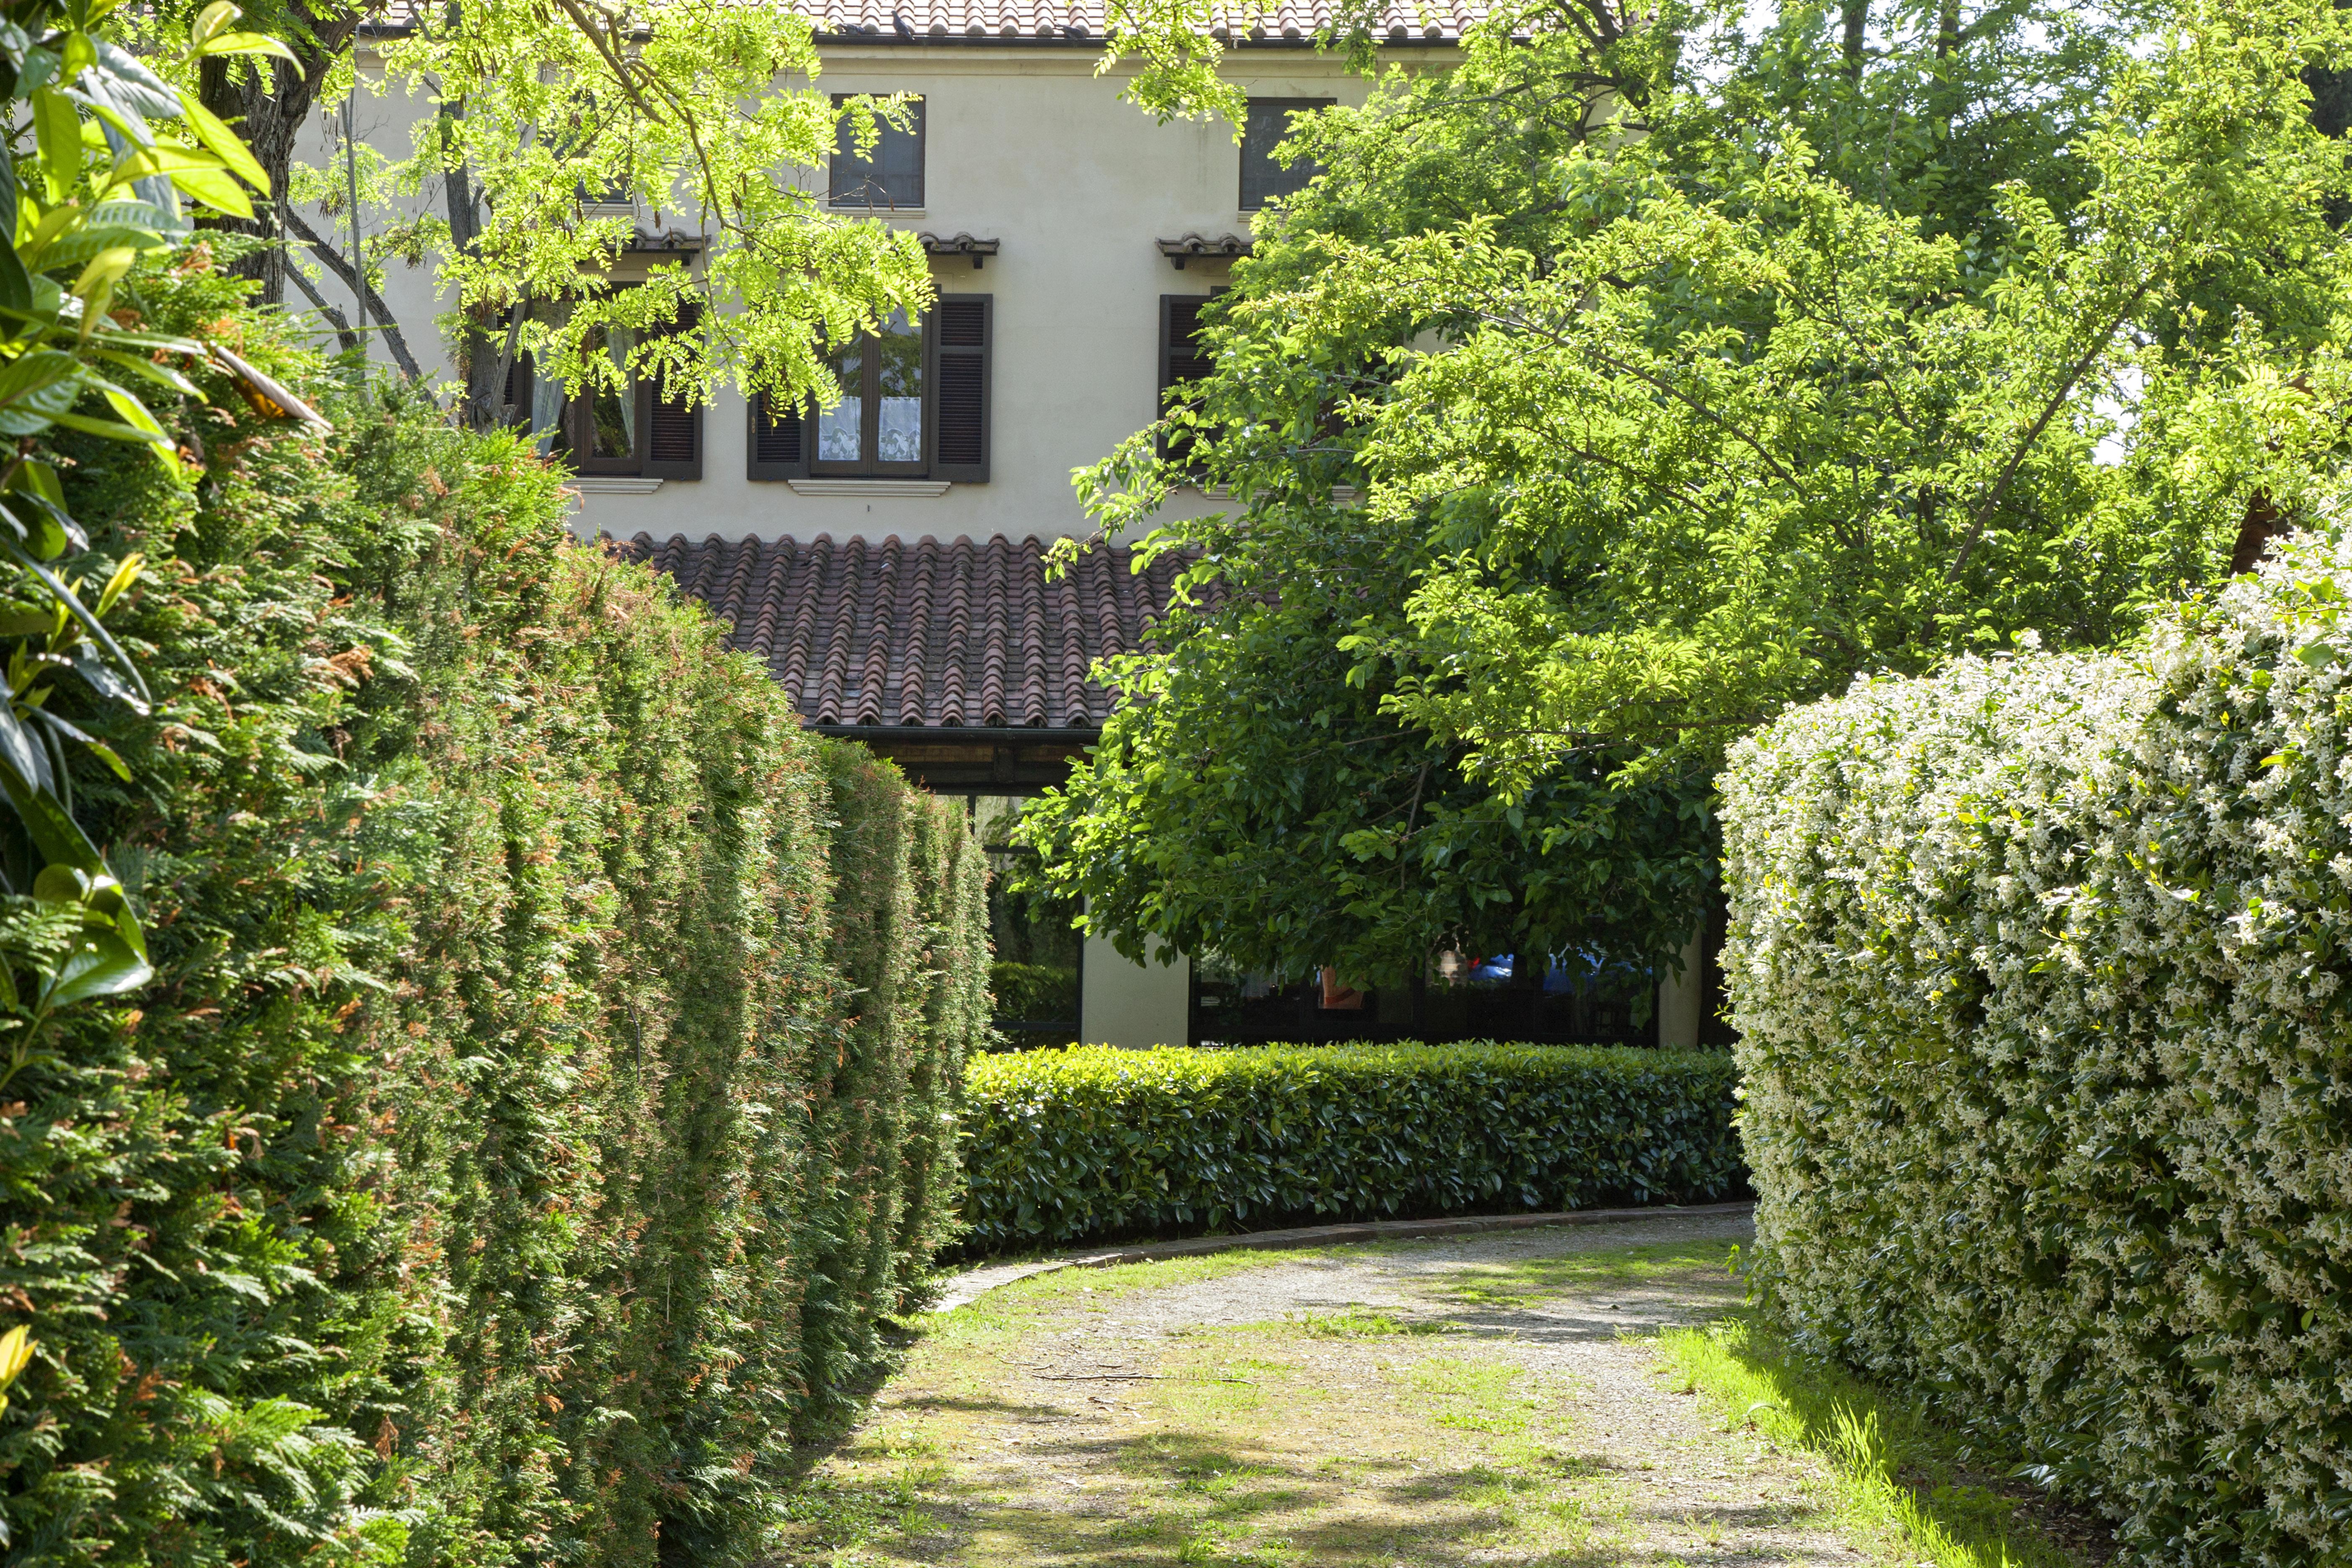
(2039, 972)
(1089, 1141)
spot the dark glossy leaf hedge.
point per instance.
(1092, 1143)
(545, 1089)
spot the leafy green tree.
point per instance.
(1251, 800)
(546, 114)
(545, 122)
(1684, 373)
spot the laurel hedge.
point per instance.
(2040, 972)
(548, 1080)
(1092, 1143)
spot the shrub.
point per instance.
(1090, 1142)
(458, 1193)
(909, 920)
(2039, 970)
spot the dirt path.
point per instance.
(1484, 1399)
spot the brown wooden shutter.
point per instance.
(777, 446)
(673, 439)
(1182, 357)
(962, 325)
(518, 391)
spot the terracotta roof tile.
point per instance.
(1289, 20)
(932, 21)
(885, 633)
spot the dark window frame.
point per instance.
(675, 425)
(958, 351)
(847, 196)
(869, 463)
(1285, 179)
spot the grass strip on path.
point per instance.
(1900, 1480)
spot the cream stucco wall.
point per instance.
(1028, 146)
(1134, 1006)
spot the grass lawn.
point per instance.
(1536, 1399)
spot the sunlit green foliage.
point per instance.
(100, 153)
(1653, 369)
(455, 1193)
(1250, 799)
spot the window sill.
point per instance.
(859, 210)
(891, 489)
(614, 485)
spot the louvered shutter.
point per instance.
(777, 447)
(517, 392)
(961, 328)
(1182, 357)
(673, 427)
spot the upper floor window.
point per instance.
(1268, 127)
(1183, 358)
(877, 425)
(635, 431)
(889, 174)
(913, 404)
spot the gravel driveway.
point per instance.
(1478, 1399)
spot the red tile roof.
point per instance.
(880, 632)
(1438, 21)
(1058, 21)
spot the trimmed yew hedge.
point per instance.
(549, 1079)
(1091, 1142)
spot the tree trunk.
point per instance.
(484, 345)
(2263, 523)
(269, 107)
(1856, 17)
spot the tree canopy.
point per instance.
(1670, 371)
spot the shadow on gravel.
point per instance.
(1204, 1500)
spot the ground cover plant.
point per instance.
(537, 1011)
(2039, 967)
(1894, 1473)
(1092, 1143)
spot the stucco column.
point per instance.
(1136, 1005)
(1682, 1001)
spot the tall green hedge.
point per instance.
(2040, 968)
(1090, 1143)
(542, 1094)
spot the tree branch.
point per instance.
(335, 317)
(340, 265)
(2033, 432)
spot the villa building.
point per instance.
(884, 558)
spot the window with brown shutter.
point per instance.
(914, 403)
(1182, 357)
(673, 424)
(778, 443)
(638, 430)
(960, 335)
